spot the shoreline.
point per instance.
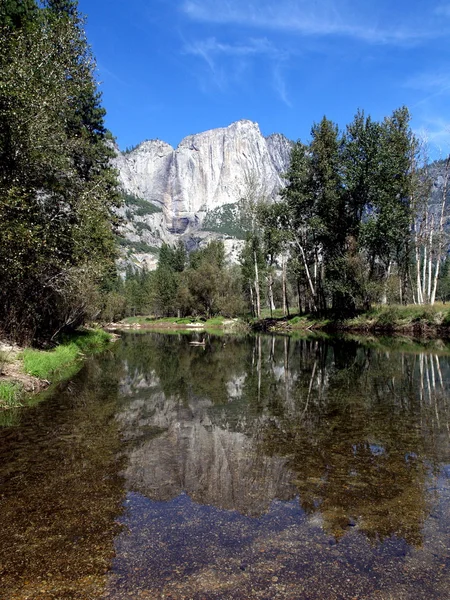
(26, 372)
(19, 383)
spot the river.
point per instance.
(248, 467)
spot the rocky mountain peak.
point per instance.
(182, 189)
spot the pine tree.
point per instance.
(57, 189)
(386, 231)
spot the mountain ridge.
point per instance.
(182, 186)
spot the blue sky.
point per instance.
(170, 68)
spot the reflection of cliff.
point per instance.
(213, 465)
(354, 431)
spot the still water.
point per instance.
(252, 467)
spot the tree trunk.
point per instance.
(299, 297)
(257, 291)
(440, 231)
(430, 260)
(270, 293)
(308, 274)
(388, 274)
(424, 273)
(418, 282)
(252, 301)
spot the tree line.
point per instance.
(357, 223)
(57, 188)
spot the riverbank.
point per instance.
(214, 324)
(432, 321)
(26, 371)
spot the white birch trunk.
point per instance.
(441, 231)
(419, 285)
(430, 260)
(257, 292)
(388, 274)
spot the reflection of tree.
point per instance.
(61, 491)
(183, 370)
(356, 427)
(361, 435)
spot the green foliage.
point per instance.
(137, 247)
(57, 189)
(140, 206)
(347, 212)
(253, 264)
(16, 14)
(386, 230)
(205, 287)
(166, 283)
(212, 254)
(225, 219)
(443, 291)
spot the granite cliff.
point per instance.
(192, 191)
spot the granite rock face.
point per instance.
(207, 171)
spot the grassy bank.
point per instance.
(28, 370)
(411, 319)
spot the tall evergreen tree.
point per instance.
(386, 231)
(57, 188)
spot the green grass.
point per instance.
(398, 317)
(215, 321)
(389, 318)
(308, 322)
(64, 360)
(50, 364)
(91, 340)
(10, 394)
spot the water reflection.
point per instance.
(260, 467)
(357, 433)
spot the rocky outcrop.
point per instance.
(170, 192)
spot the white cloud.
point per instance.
(280, 86)
(435, 131)
(322, 18)
(214, 53)
(432, 85)
(210, 47)
(430, 82)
